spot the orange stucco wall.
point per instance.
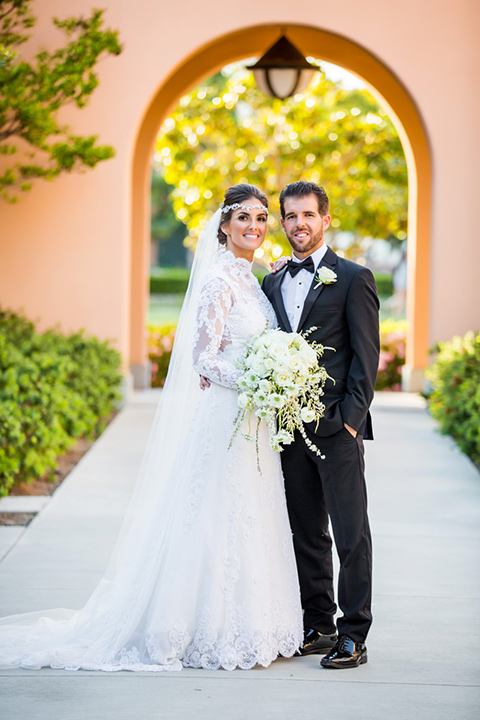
(65, 249)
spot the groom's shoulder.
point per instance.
(267, 282)
(351, 269)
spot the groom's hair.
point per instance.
(301, 188)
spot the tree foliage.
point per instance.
(31, 94)
(166, 230)
(226, 131)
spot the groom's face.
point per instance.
(303, 224)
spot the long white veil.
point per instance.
(114, 612)
(180, 393)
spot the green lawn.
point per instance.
(164, 309)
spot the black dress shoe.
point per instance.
(346, 654)
(315, 643)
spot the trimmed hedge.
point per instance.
(455, 399)
(167, 281)
(384, 283)
(54, 389)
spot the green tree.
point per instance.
(32, 93)
(226, 131)
(166, 230)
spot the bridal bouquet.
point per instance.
(281, 382)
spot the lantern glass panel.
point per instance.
(283, 81)
(304, 81)
(261, 80)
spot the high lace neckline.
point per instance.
(228, 258)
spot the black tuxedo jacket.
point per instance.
(346, 316)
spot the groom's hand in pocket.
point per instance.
(352, 432)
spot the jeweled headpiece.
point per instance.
(235, 206)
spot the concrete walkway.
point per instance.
(423, 648)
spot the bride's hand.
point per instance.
(278, 264)
(204, 382)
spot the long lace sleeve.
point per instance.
(212, 337)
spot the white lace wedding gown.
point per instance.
(211, 582)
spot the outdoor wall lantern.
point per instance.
(282, 71)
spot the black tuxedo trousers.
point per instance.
(317, 489)
(345, 315)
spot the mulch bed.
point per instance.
(16, 518)
(45, 486)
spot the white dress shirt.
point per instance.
(295, 289)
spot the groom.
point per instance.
(338, 297)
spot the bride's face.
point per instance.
(246, 230)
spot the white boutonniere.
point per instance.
(325, 276)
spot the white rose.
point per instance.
(282, 338)
(307, 415)
(259, 368)
(264, 386)
(283, 377)
(309, 355)
(326, 276)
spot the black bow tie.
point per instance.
(295, 267)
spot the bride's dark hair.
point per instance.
(238, 194)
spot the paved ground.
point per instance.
(423, 649)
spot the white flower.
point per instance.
(251, 379)
(260, 398)
(259, 369)
(307, 415)
(284, 437)
(243, 400)
(325, 276)
(277, 350)
(277, 401)
(297, 363)
(310, 355)
(283, 377)
(261, 413)
(264, 386)
(242, 384)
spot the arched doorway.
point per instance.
(253, 41)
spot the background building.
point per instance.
(76, 252)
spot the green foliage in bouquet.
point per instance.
(53, 390)
(392, 354)
(160, 344)
(455, 400)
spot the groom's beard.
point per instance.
(312, 243)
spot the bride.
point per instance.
(203, 574)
